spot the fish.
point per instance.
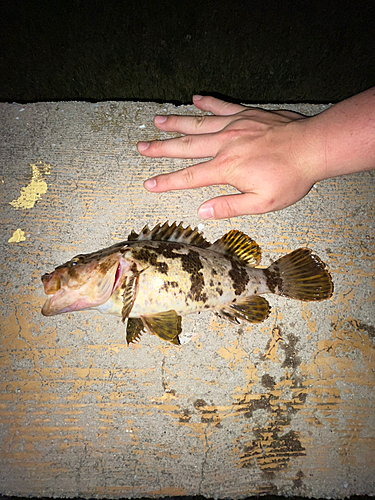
(159, 275)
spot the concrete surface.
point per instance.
(284, 407)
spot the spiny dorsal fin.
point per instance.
(239, 245)
(174, 232)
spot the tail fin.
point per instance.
(300, 275)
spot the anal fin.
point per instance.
(166, 325)
(228, 314)
(134, 329)
(253, 309)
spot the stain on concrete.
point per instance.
(268, 381)
(370, 329)
(292, 360)
(209, 413)
(298, 482)
(17, 236)
(37, 186)
(273, 446)
(186, 415)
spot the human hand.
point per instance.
(260, 153)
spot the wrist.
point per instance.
(307, 150)
(341, 140)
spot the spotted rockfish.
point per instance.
(159, 275)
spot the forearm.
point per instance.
(342, 139)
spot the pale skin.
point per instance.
(272, 158)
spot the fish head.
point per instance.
(84, 282)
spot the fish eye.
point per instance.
(74, 261)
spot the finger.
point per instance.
(217, 106)
(199, 175)
(233, 205)
(191, 124)
(188, 146)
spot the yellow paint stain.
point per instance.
(233, 354)
(236, 356)
(35, 189)
(275, 338)
(337, 362)
(201, 431)
(17, 236)
(309, 319)
(165, 403)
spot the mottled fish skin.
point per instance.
(162, 274)
(184, 278)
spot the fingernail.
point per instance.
(159, 119)
(150, 183)
(206, 212)
(197, 97)
(142, 146)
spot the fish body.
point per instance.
(160, 275)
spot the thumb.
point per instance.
(233, 205)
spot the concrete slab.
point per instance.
(284, 407)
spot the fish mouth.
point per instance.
(62, 298)
(50, 307)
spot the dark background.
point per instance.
(247, 50)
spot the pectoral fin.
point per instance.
(166, 325)
(134, 329)
(128, 296)
(254, 309)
